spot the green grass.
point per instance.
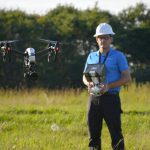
(56, 120)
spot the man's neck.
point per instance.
(104, 51)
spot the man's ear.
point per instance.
(111, 39)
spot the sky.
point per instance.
(43, 6)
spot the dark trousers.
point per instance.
(105, 107)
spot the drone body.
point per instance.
(30, 64)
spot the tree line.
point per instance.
(74, 29)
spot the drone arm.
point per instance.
(18, 52)
(42, 51)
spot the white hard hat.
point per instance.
(103, 29)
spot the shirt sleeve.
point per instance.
(92, 58)
(122, 62)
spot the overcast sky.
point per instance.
(43, 6)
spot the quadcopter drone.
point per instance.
(30, 55)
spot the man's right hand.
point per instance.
(90, 85)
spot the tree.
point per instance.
(135, 17)
(134, 36)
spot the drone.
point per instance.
(30, 55)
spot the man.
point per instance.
(108, 106)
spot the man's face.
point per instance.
(104, 41)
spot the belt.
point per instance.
(112, 93)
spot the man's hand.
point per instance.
(104, 88)
(101, 89)
(90, 85)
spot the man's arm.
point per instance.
(125, 78)
(88, 84)
(85, 80)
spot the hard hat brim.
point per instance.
(95, 35)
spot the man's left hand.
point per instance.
(104, 88)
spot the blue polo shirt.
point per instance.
(115, 63)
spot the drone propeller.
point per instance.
(8, 42)
(53, 48)
(48, 41)
(6, 48)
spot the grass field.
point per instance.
(56, 120)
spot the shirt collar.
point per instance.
(110, 50)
